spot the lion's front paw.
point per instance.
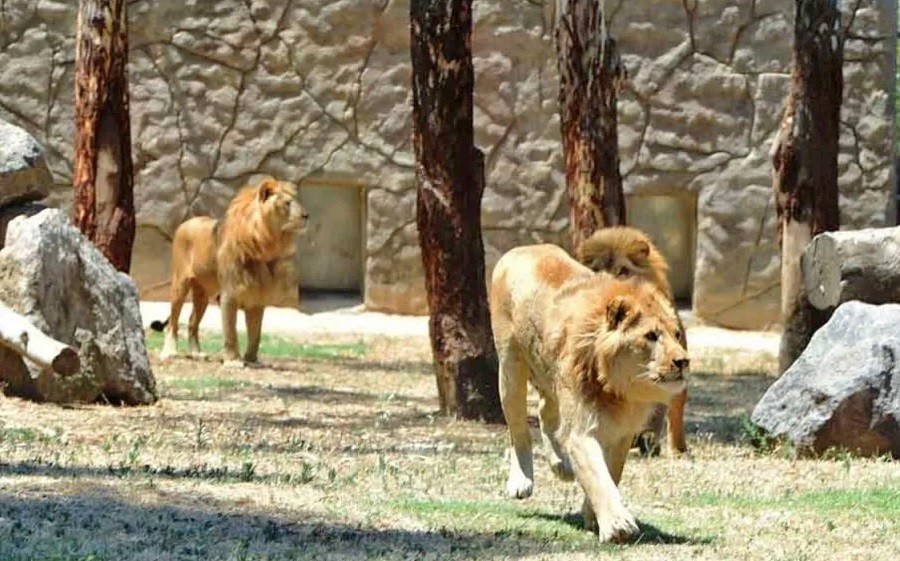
(561, 469)
(619, 528)
(234, 363)
(166, 354)
(519, 487)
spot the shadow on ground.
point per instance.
(718, 405)
(650, 534)
(101, 526)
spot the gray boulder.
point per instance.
(54, 276)
(844, 390)
(24, 176)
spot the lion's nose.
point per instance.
(681, 363)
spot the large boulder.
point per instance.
(24, 176)
(844, 390)
(51, 274)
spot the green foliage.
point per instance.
(271, 346)
(756, 436)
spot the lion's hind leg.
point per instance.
(549, 417)
(675, 436)
(201, 301)
(513, 397)
(177, 294)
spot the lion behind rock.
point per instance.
(246, 258)
(601, 352)
(627, 252)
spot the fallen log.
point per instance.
(21, 336)
(852, 265)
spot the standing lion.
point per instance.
(628, 252)
(601, 351)
(246, 258)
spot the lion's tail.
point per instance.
(159, 326)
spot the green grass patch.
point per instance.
(270, 346)
(205, 387)
(881, 501)
(27, 435)
(16, 434)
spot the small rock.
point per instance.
(24, 175)
(844, 390)
(7, 214)
(54, 276)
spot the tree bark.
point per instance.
(450, 184)
(590, 73)
(103, 205)
(805, 160)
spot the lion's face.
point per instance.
(623, 252)
(633, 349)
(279, 206)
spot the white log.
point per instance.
(18, 334)
(852, 265)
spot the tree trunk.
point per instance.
(590, 73)
(21, 336)
(838, 267)
(450, 183)
(805, 160)
(103, 205)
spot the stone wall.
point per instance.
(318, 91)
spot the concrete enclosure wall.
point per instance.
(318, 91)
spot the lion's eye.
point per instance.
(652, 336)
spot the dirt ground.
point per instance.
(337, 453)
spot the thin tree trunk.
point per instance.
(590, 73)
(450, 183)
(805, 161)
(103, 205)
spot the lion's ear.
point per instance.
(641, 248)
(616, 311)
(265, 189)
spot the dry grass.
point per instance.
(343, 457)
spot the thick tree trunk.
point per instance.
(838, 267)
(805, 160)
(21, 336)
(450, 183)
(590, 73)
(103, 206)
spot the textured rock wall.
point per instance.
(318, 90)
